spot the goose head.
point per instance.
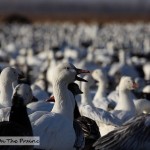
(127, 83)
(25, 92)
(99, 75)
(9, 74)
(68, 72)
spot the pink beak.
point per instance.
(51, 99)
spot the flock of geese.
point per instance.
(42, 93)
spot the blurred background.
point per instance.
(35, 35)
(76, 10)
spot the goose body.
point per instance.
(125, 108)
(100, 99)
(88, 110)
(40, 106)
(53, 126)
(133, 135)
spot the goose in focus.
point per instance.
(52, 127)
(133, 135)
(19, 123)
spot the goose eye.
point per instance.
(67, 68)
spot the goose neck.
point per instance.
(86, 97)
(101, 91)
(125, 101)
(6, 91)
(122, 57)
(65, 101)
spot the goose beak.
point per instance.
(51, 99)
(79, 71)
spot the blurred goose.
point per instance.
(53, 126)
(133, 135)
(88, 110)
(139, 92)
(146, 69)
(125, 102)
(123, 68)
(39, 93)
(19, 123)
(125, 108)
(142, 105)
(7, 77)
(100, 99)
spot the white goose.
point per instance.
(7, 77)
(53, 126)
(100, 99)
(125, 108)
(87, 108)
(123, 67)
(142, 105)
(125, 102)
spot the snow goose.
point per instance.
(146, 69)
(19, 123)
(87, 108)
(7, 77)
(125, 108)
(141, 104)
(125, 102)
(53, 126)
(82, 125)
(40, 108)
(100, 100)
(133, 135)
